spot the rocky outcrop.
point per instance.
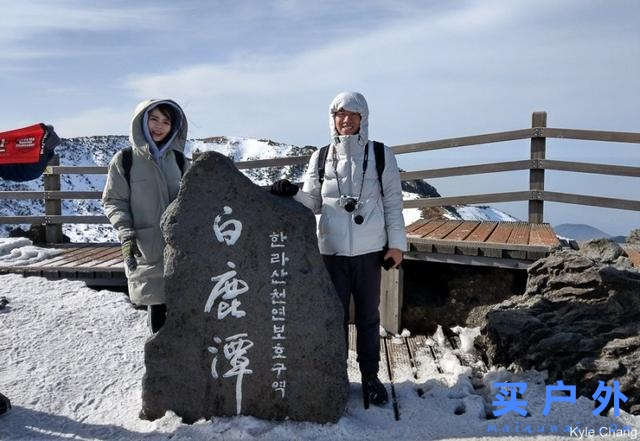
(634, 237)
(579, 319)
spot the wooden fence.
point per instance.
(535, 195)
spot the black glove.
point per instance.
(129, 252)
(284, 188)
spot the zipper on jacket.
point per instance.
(350, 175)
(162, 178)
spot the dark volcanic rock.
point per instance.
(454, 295)
(579, 319)
(603, 250)
(249, 330)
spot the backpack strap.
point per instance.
(378, 150)
(180, 161)
(322, 160)
(127, 161)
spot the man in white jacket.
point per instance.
(361, 223)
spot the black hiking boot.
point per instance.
(374, 390)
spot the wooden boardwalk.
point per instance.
(506, 244)
(509, 244)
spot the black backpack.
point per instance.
(378, 151)
(127, 159)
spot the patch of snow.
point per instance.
(9, 243)
(483, 213)
(411, 215)
(20, 251)
(439, 336)
(467, 335)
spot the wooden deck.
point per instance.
(96, 264)
(508, 244)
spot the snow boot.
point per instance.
(374, 390)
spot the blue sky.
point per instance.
(429, 69)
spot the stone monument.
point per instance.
(254, 326)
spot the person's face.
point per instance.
(159, 125)
(347, 123)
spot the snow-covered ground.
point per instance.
(72, 364)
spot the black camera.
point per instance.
(349, 203)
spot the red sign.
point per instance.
(22, 146)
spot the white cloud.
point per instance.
(480, 67)
(21, 21)
(98, 121)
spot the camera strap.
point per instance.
(378, 150)
(365, 162)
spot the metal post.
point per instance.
(536, 175)
(52, 207)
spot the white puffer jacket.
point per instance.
(383, 224)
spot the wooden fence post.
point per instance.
(52, 207)
(391, 297)
(536, 175)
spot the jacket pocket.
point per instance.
(151, 244)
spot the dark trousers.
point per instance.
(156, 316)
(360, 276)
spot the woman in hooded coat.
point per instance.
(137, 193)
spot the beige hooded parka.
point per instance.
(137, 211)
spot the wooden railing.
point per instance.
(535, 195)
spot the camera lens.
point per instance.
(350, 205)
(358, 219)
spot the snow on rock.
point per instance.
(467, 335)
(483, 213)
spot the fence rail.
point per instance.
(536, 195)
